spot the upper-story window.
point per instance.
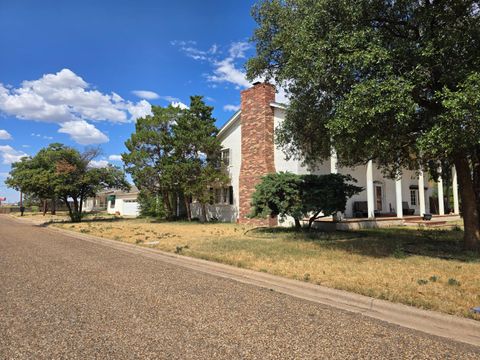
(225, 157)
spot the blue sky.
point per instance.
(80, 72)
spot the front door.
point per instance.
(378, 198)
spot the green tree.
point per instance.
(326, 195)
(150, 160)
(175, 153)
(391, 81)
(197, 154)
(63, 172)
(279, 194)
(302, 196)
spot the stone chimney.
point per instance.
(257, 145)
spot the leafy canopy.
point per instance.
(59, 171)
(369, 76)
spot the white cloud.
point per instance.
(179, 104)
(169, 98)
(231, 107)
(146, 94)
(83, 133)
(227, 70)
(237, 49)
(64, 98)
(139, 110)
(224, 70)
(189, 48)
(10, 155)
(42, 136)
(5, 135)
(115, 158)
(98, 163)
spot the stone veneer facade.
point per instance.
(257, 129)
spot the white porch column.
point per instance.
(370, 196)
(456, 207)
(421, 193)
(441, 204)
(333, 162)
(398, 196)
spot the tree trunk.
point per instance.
(312, 220)
(469, 204)
(77, 216)
(54, 206)
(81, 205)
(187, 208)
(69, 208)
(298, 225)
(45, 207)
(203, 217)
(168, 205)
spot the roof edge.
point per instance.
(229, 123)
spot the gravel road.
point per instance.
(65, 298)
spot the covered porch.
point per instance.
(329, 224)
(385, 199)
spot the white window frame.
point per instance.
(221, 196)
(226, 160)
(413, 196)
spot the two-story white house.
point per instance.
(250, 152)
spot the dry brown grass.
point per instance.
(409, 266)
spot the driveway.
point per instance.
(62, 297)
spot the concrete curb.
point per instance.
(434, 323)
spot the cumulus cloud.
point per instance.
(146, 94)
(10, 155)
(5, 135)
(83, 133)
(115, 158)
(140, 109)
(231, 107)
(98, 163)
(179, 104)
(65, 98)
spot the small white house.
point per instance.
(117, 202)
(123, 203)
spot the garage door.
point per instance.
(130, 207)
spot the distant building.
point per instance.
(124, 203)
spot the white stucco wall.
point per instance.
(231, 138)
(281, 163)
(118, 208)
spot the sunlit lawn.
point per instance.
(424, 268)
